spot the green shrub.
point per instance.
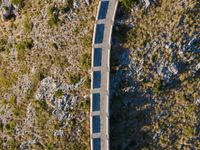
(43, 104)
(189, 131)
(21, 46)
(4, 82)
(29, 43)
(16, 111)
(128, 3)
(28, 25)
(12, 145)
(86, 61)
(125, 34)
(51, 10)
(7, 79)
(10, 126)
(1, 125)
(61, 61)
(49, 146)
(52, 22)
(58, 125)
(87, 41)
(131, 35)
(74, 78)
(87, 83)
(4, 102)
(76, 31)
(13, 100)
(58, 93)
(67, 6)
(53, 16)
(8, 48)
(64, 9)
(21, 51)
(70, 3)
(83, 147)
(55, 46)
(157, 87)
(3, 43)
(17, 2)
(85, 104)
(36, 78)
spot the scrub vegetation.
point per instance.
(155, 76)
(42, 55)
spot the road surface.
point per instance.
(101, 47)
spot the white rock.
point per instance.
(58, 133)
(87, 2)
(147, 3)
(25, 145)
(76, 4)
(197, 67)
(198, 101)
(173, 68)
(46, 90)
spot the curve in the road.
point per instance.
(101, 47)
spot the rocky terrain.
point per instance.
(155, 76)
(45, 55)
(45, 49)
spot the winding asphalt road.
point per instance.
(101, 47)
